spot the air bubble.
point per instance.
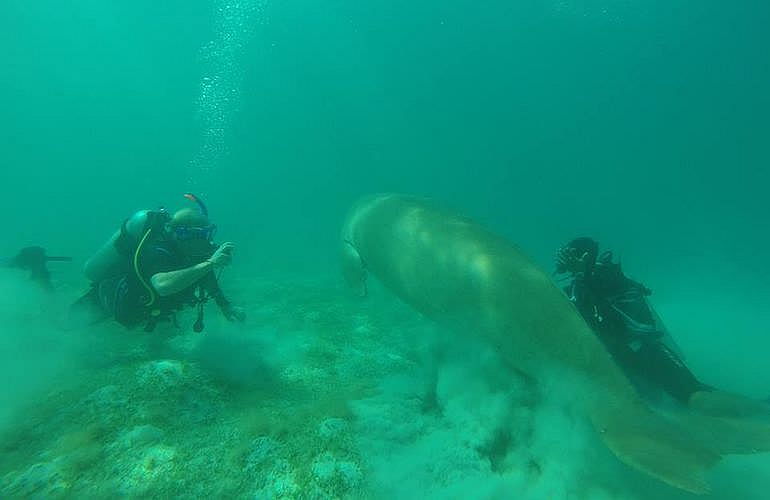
(220, 89)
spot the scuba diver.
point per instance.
(617, 309)
(154, 266)
(34, 259)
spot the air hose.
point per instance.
(150, 291)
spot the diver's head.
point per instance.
(578, 255)
(193, 232)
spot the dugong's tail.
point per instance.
(658, 446)
(730, 435)
(678, 449)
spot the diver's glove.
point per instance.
(568, 261)
(234, 313)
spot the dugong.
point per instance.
(456, 272)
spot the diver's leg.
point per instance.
(101, 302)
(670, 372)
(85, 311)
(665, 369)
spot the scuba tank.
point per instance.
(114, 257)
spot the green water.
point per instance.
(643, 124)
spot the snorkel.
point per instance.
(201, 205)
(190, 232)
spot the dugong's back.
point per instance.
(453, 270)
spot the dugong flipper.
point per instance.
(353, 268)
(456, 272)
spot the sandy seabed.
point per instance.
(318, 395)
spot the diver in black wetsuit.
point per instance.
(156, 265)
(617, 309)
(34, 260)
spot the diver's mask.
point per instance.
(186, 233)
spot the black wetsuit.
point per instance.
(616, 308)
(125, 298)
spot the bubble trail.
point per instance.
(220, 88)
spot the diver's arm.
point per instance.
(577, 290)
(172, 282)
(581, 294)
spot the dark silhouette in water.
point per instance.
(34, 260)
